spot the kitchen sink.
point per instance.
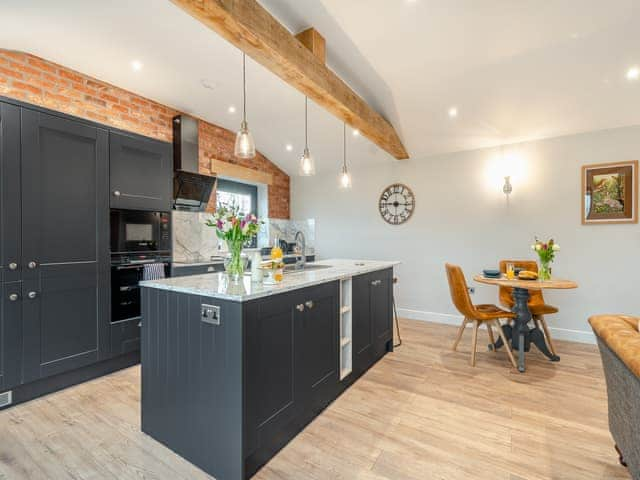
(308, 267)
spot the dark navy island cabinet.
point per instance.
(227, 395)
(372, 314)
(54, 244)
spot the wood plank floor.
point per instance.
(421, 413)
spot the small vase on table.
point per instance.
(546, 253)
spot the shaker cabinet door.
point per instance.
(381, 300)
(10, 231)
(270, 367)
(10, 335)
(64, 246)
(141, 173)
(319, 377)
(362, 328)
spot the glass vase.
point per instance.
(544, 272)
(235, 262)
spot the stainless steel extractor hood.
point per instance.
(191, 189)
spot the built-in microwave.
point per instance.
(138, 231)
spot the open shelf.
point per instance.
(346, 347)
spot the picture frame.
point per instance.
(610, 193)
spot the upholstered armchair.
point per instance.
(619, 343)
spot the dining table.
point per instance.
(522, 335)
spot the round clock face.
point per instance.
(396, 204)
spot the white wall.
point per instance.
(462, 217)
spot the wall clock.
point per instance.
(396, 204)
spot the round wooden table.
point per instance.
(521, 335)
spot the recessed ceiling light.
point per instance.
(633, 73)
(356, 132)
(231, 109)
(453, 112)
(136, 65)
(289, 147)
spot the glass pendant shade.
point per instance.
(245, 147)
(345, 176)
(307, 164)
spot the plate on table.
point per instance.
(491, 273)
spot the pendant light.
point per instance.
(245, 147)
(307, 164)
(345, 176)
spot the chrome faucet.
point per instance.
(300, 250)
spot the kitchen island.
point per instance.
(231, 372)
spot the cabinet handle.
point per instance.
(32, 265)
(376, 282)
(32, 295)
(309, 304)
(13, 266)
(116, 193)
(300, 307)
(13, 297)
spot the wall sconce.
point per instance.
(507, 187)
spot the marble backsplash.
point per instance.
(193, 241)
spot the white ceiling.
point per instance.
(516, 71)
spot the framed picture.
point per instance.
(610, 193)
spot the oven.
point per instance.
(125, 291)
(140, 250)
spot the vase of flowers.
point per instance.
(236, 229)
(546, 252)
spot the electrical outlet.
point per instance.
(210, 314)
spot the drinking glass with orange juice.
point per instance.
(511, 274)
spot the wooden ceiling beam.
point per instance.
(315, 42)
(251, 28)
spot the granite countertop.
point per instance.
(217, 285)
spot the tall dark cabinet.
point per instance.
(65, 228)
(54, 244)
(10, 259)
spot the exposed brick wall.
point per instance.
(40, 82)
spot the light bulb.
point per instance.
(307, 165)
(245, 147)
(345, 179)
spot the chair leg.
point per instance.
(459, 334)
(547, 335)
(620, 457)
(491, 338)
(506, 344)
(474, 342)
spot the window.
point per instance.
(241, 194)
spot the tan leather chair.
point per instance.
(536, 301)
(478, 314)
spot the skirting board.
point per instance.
(581, 336)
